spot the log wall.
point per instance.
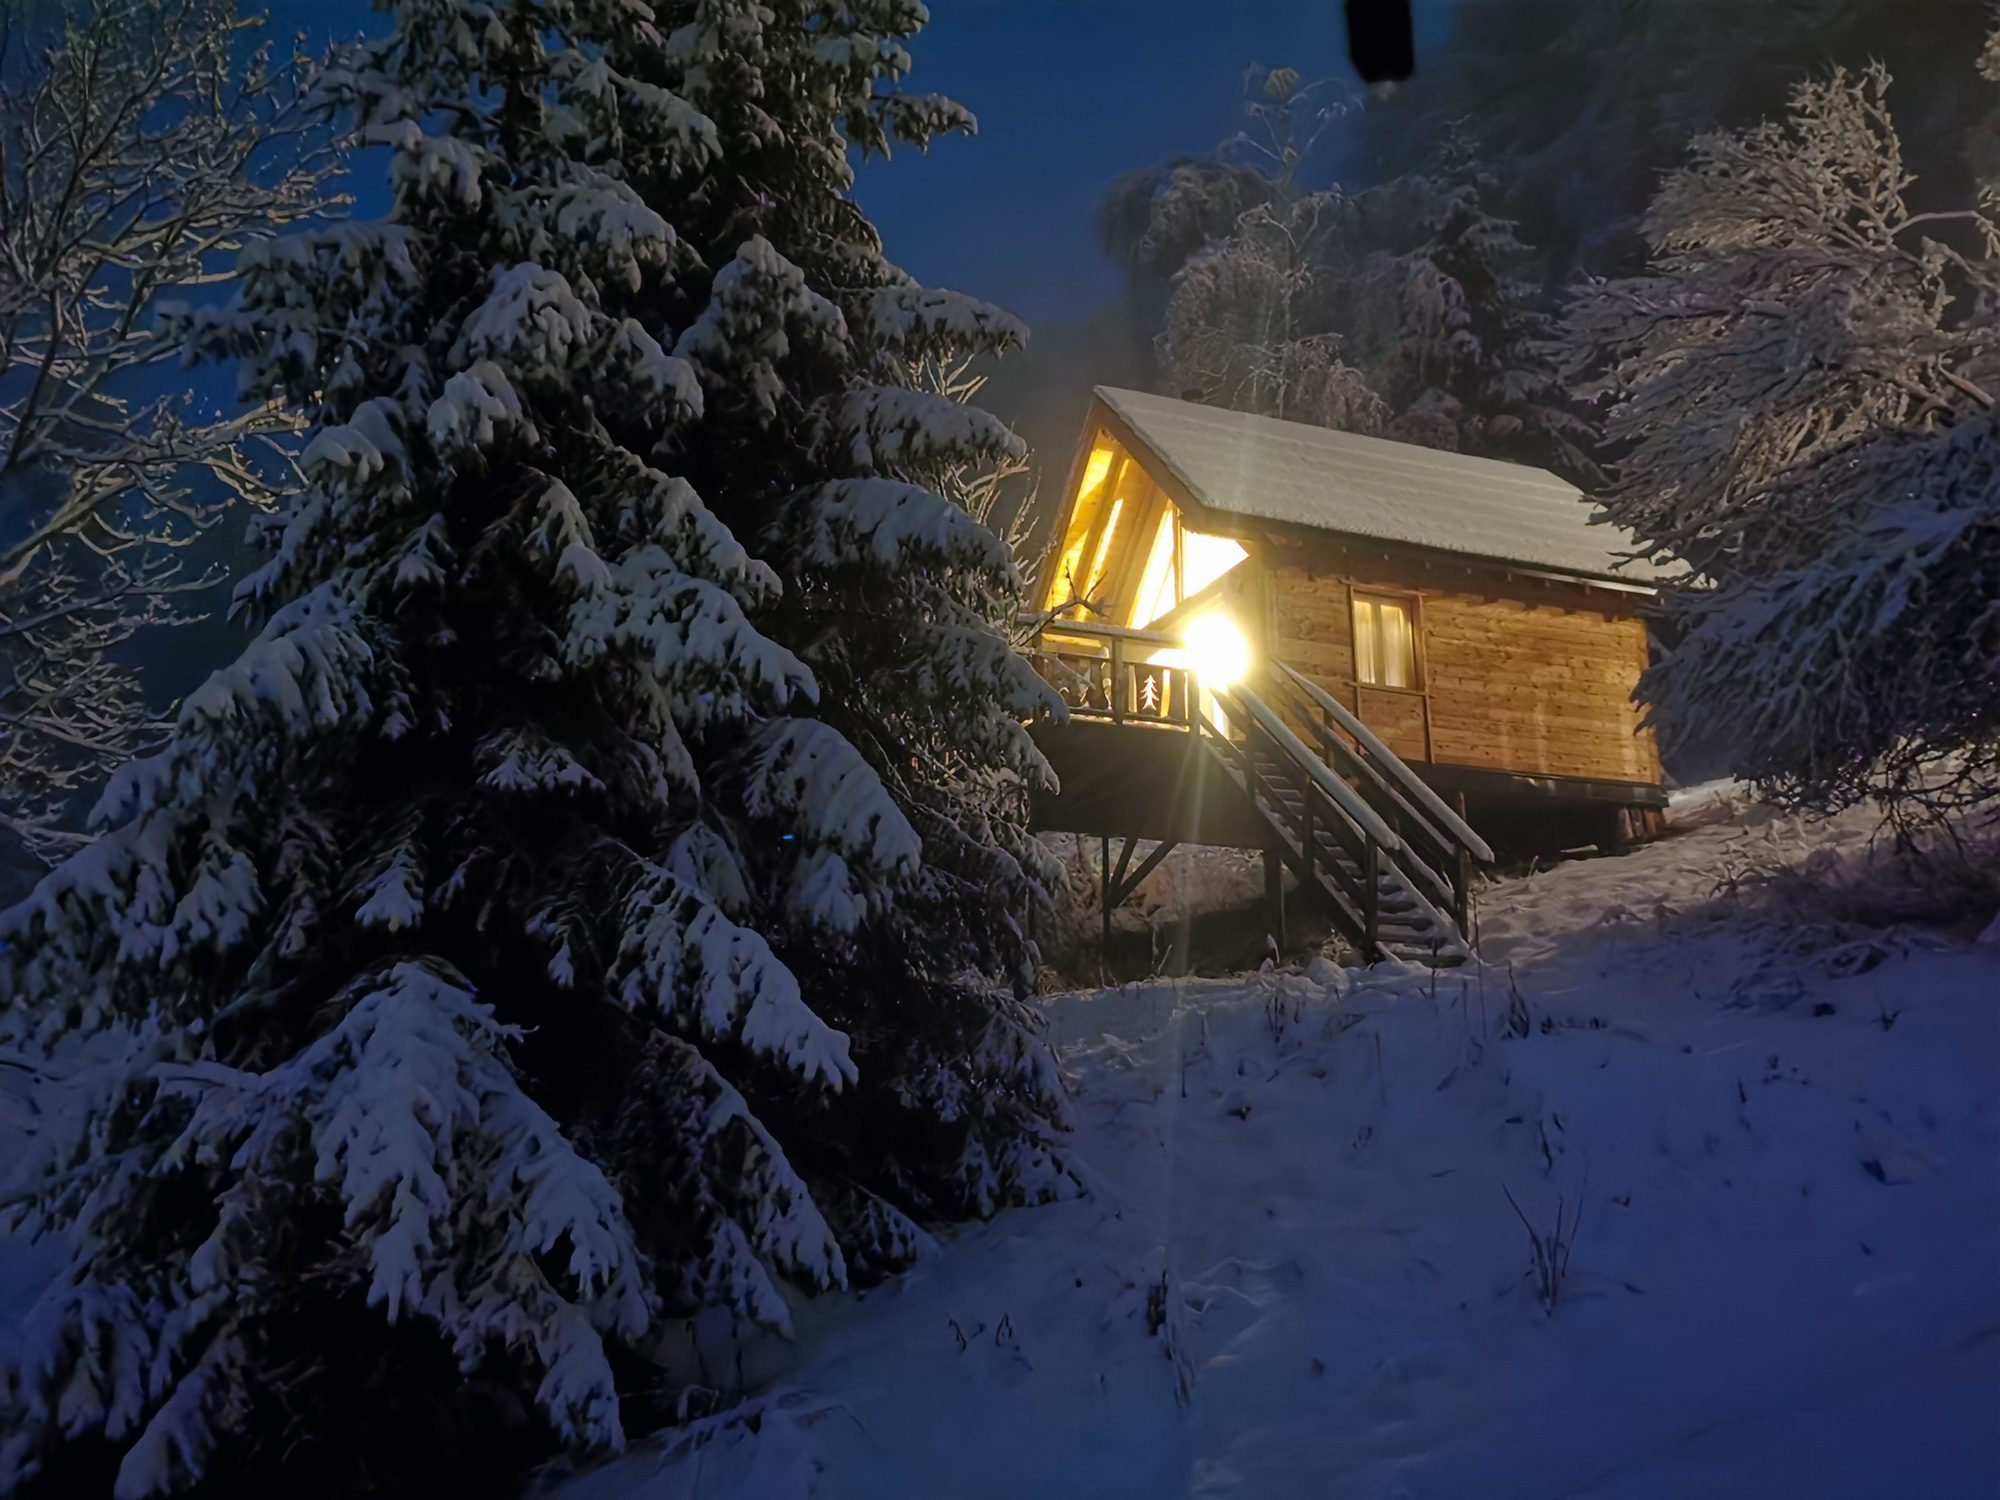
(1518, 673)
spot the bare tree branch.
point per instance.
(138, 145)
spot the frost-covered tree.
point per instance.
(135, 152)
(1402, 309)
(1800, 396)
(1154, 219)
(1242, 326)
(595, 897)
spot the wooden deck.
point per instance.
(1141, 780)
(1523, 815)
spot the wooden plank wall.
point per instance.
(1519, 674)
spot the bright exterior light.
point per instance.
(1216, 650)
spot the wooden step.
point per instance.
(1407, 926)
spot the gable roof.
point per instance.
(1270, 470)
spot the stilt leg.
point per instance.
(1274, 894)
(1104, 890)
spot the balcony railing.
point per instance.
(1114, 672)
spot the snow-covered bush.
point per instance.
(1800, 396)
(595, 896)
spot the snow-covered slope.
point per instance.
(1300, 1274)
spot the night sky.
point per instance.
(1071, 94)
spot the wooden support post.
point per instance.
(1627, 833)
(1274, 892)
(1122, 884)
(1118, 887)
(1464, 913)
(1306, 829)
(1104, 888)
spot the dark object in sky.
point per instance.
(1380, 40)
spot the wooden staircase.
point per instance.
(1392, 863)
(1406, 926)
(1324, 797)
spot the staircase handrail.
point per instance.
(1397, 858)
(1407, 819)
(1438, 920)
(1411, 783)
(1296, 844)
(1417, 838)
(1337, 791)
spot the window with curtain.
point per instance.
(1385, 641)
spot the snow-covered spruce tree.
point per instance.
(1800, 395)
(594, 897)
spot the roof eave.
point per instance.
(1238, 524)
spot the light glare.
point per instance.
(1216, 650)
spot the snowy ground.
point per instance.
(1299, 1274)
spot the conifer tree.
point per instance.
(1580, 110)
(596, 895)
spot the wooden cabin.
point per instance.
(1465, 609)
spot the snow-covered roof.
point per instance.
(1371, 487)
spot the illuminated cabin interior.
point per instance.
(1464, 609)
(1129, 557)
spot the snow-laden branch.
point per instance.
(136, 150)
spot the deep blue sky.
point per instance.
(1069, 95)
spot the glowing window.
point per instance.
(1069, 582)
(1095, 470)
(1205, 559)
(1103, 547)
(1385, 642)
(1157, 593)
